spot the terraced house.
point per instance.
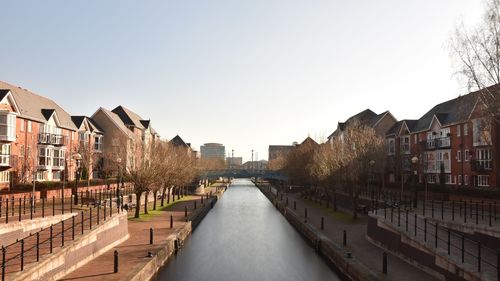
(38, 138)
(453, 143)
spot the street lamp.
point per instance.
(414, 161)
(77, 157)
(370, 187)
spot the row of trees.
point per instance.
(349, 161)
(166, 168)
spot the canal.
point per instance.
(245, 238)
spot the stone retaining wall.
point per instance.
(403, 246)
(12, 231)
(335, 255)
(64, 260)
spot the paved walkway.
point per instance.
(367, 253)
(132, 253)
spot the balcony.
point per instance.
(437, 143)
(51, 139)
(481, 165)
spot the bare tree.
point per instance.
(476, 53)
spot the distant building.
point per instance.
(255, 165)
(177, 141)
(279, 151)
(213, 151)
(234, 162)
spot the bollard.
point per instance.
(22, 254)
(73, 228)
(151, 235)
(38, 246)
(415, 215)
(449, 238)
(3, 263)
(287, 201)
(452, 210)
(477, 213)
(62, 233)
(463, 249)
(53, 206)
(344, 238)
(171, 221)
(425, 229)
(465, 211)
(90, 218)
(384, 263)
(185, 211)
(478, 257)
(115, 267)
(82, 221)
(436, 235)
(7, 211)
(195, 204)
(50, 239)
(322, 223)
(19, 209)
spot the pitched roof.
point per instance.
(309, 140)
(366, 118)
(178, 141)
(450, 112)
(129, 117)
(116, 120)
(78, 120)
(396, 128)
(31, 106)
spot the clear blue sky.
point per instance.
(243, 73)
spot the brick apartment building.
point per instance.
(452, 142)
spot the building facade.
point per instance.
(213, 151)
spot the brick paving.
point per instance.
(361, 249)
(133, 252)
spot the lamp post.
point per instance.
(77, 157)
(370, 187)
(414, 161)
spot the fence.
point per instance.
(28, 250)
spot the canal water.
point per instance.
(245, 238)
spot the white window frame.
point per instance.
(459, 130)
(459, 155)
(466, 156)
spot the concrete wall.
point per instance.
(63, 261)
(403, 246)
(15, 230)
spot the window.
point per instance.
(390, 146)
(415, 139)
(58, 159)
(466, 179)
(7, 126)
(466, 129)
(466, 156)
(405, 144)
(98, 143)
(56, 175)
(483, 157)
(5, 154)
(448, 179)
(459, 156)
(40, 176)
(21, 123)
(483, 180)
(459, 130)
(5, 176)
(45, 156)
(431, 178)
(459, 179)
(29, 126)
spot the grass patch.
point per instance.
(152, 213)
(338, 215)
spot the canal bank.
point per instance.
(244, 238)
(334, 254)
(169, 224)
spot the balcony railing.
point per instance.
(437, 143)
(481, 165)
(52, 139)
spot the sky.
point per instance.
(243, 73)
